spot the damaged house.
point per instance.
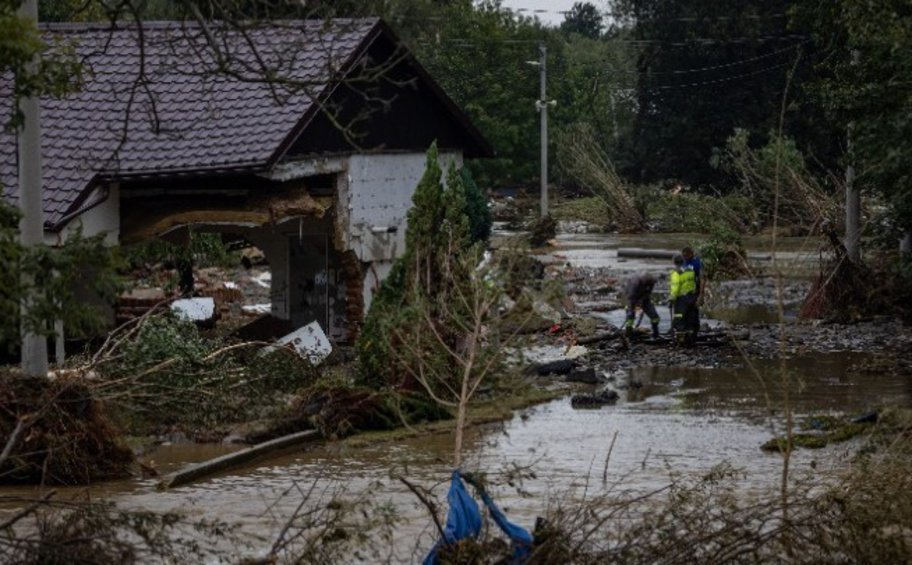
(306, 138)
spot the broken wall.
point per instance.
(372, 207)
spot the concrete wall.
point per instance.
(376, 199)
(275, 248)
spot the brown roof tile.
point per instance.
(165, 109)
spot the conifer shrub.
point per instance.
(480, 220)
(438, 237)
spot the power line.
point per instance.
(622, 15)
(694, 42)
(707, 82)
(700, 69)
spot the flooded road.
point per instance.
(678, 421)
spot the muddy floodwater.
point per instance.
(669, 421)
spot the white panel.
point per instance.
(380, 195)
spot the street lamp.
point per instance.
(542, 105)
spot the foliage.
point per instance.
(777, 180)
(542, 230)
(48, 275)
(706, 68)
(590, 209)
(861, 89)
(723, 254)
(479, 53)
(438, 232)
(39, 69)
(389, 308)
(583, 19)
(433, 328)
(81, 530)
(582, 158)
(480, 220)
(162, 372)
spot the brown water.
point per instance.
(681, 420)
(794, 256)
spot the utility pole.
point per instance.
(31, 226)
(853, 196)
(542, 105)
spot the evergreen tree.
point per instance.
(480, 221)
(437, 235)
(706, 68)
(583, 19)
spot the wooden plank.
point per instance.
(198, 471)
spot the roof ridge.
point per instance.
(121, 25)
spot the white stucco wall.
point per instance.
(377, 197)
(102, 218)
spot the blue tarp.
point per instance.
(520, 539)
(464, 521)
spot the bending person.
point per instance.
(639, 294)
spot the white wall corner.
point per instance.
(101, 218)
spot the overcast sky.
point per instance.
(553, 8)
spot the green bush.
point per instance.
(480, 220)
(723, 254)
(589, 209)
(52, 278)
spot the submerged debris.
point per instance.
(596, 400)
(819, 431)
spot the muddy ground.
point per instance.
(754, 319)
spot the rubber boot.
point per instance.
(655, 330)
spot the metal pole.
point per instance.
(853, 197)
(543, 108)
(31, 226)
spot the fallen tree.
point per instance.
(57, 433)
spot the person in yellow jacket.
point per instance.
(682, 298)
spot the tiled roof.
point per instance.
(157, 105)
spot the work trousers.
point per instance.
(648, 309)
(686, 321)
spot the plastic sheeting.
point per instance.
(464, 521)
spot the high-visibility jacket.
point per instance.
(682, 283)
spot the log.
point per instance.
(668, 254)
(598, 338)
(206, 468)
(640, 253)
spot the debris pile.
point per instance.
(60, 434)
